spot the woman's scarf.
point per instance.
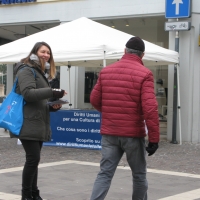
(35, 58)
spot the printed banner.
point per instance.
(76, 129)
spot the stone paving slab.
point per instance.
(75, 181)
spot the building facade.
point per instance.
(137, 17)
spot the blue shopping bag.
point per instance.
(11, 111)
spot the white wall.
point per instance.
(193, 64)
(73, 83)
(189, 83)
(9, 78)
(70, 10)
(94, 9)
(69, 84)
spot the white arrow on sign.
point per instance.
(177, 2)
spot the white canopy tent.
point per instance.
(83, 42)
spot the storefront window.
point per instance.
(161, 90)
(3, 79)
(90, 81)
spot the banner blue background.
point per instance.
(184, 8)
(76, 129)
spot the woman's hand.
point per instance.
(57, 106)
(58, 93)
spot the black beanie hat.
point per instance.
(136, 43)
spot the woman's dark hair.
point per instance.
(34, 50)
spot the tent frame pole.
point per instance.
(70, 104)
(104, 58)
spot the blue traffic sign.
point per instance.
(177, 8)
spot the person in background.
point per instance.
(1, 101)
(34, 87)
(54, 83)
(124, 94)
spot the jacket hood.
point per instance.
(17, 67)
(20, 65)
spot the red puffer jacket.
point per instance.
(124, 94)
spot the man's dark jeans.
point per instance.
(30, 171)
(113, 149)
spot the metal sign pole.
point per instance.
(179, 103)
(174, 123)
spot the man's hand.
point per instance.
(151, 149)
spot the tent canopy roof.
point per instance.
(83, 42)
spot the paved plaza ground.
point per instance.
(69, 174)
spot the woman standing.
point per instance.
(34, 87)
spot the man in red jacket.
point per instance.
(124, 94)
